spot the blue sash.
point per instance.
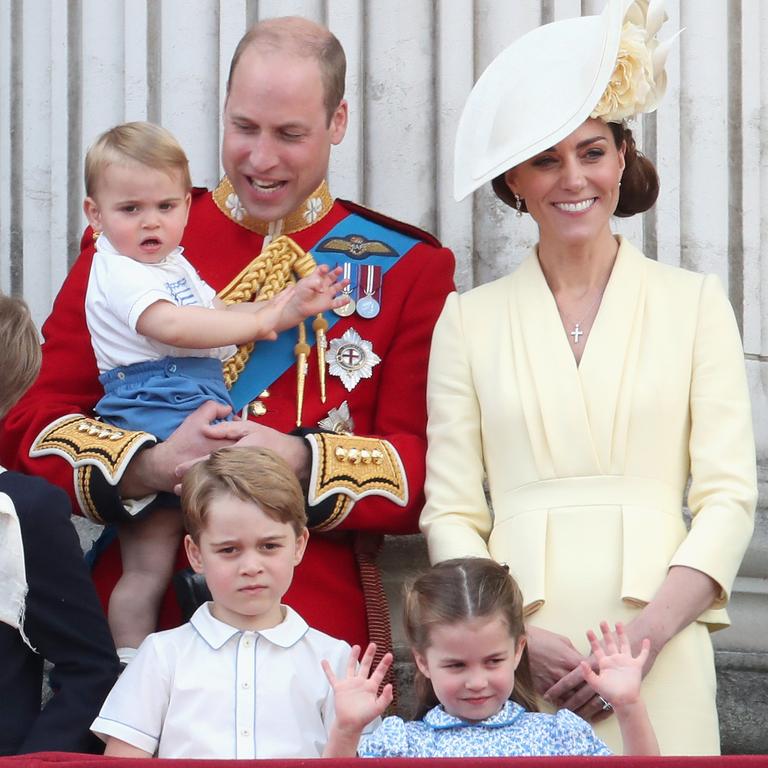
(271, 359)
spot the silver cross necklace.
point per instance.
(588, 316)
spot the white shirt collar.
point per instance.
(216, 633)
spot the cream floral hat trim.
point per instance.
(545, 84)
(314, 208)
(639, 80)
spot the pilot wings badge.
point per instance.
(356, 247)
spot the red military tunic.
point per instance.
(221, 240)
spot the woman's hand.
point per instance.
(551, 657)
(357, 699)
(682, 596)
(638, 631)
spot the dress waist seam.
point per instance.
(589, 491)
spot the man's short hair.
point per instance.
(251, 474)
(21, 354)
(303, 38)
(147, 144)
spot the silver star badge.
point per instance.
(351, 358)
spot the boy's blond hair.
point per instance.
(143, 143)
(251, 474)
(21, 354)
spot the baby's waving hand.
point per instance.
(618, 681)
(271, 312)
(315, 293)
(357, 699)
(318, 292)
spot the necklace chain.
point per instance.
(577, 333)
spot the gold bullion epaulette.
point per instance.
(354, 467)
(87, 442)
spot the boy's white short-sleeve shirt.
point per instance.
(209, 690)
(120, 289)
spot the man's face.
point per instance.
(277, 139)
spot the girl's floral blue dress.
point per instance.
(512, 732)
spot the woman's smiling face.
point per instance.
(572, 189)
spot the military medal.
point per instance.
(370, 286)
(350, 273)
(351, 358)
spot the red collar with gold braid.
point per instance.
(314, 208)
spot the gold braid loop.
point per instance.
(269, 273)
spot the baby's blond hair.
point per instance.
(147, 144)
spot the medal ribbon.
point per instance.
(370, 281)
(271, 359)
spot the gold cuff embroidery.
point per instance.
(356, 467)
(83, 494)
(86, 442)
(341, 509)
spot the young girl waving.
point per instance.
(464, 620)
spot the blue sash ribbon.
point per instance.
(271, 359)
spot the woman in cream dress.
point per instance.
(588, 386)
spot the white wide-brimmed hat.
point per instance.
(545, 84)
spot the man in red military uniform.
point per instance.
(360, 444)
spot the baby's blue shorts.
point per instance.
(156, 396)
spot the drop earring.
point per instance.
(518, 205)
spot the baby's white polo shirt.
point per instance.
(210, 690)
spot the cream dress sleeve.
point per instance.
(723, 490)
(456, 519)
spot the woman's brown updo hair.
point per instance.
(639, 182)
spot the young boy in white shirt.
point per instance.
(159, 333)
(243, 679)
